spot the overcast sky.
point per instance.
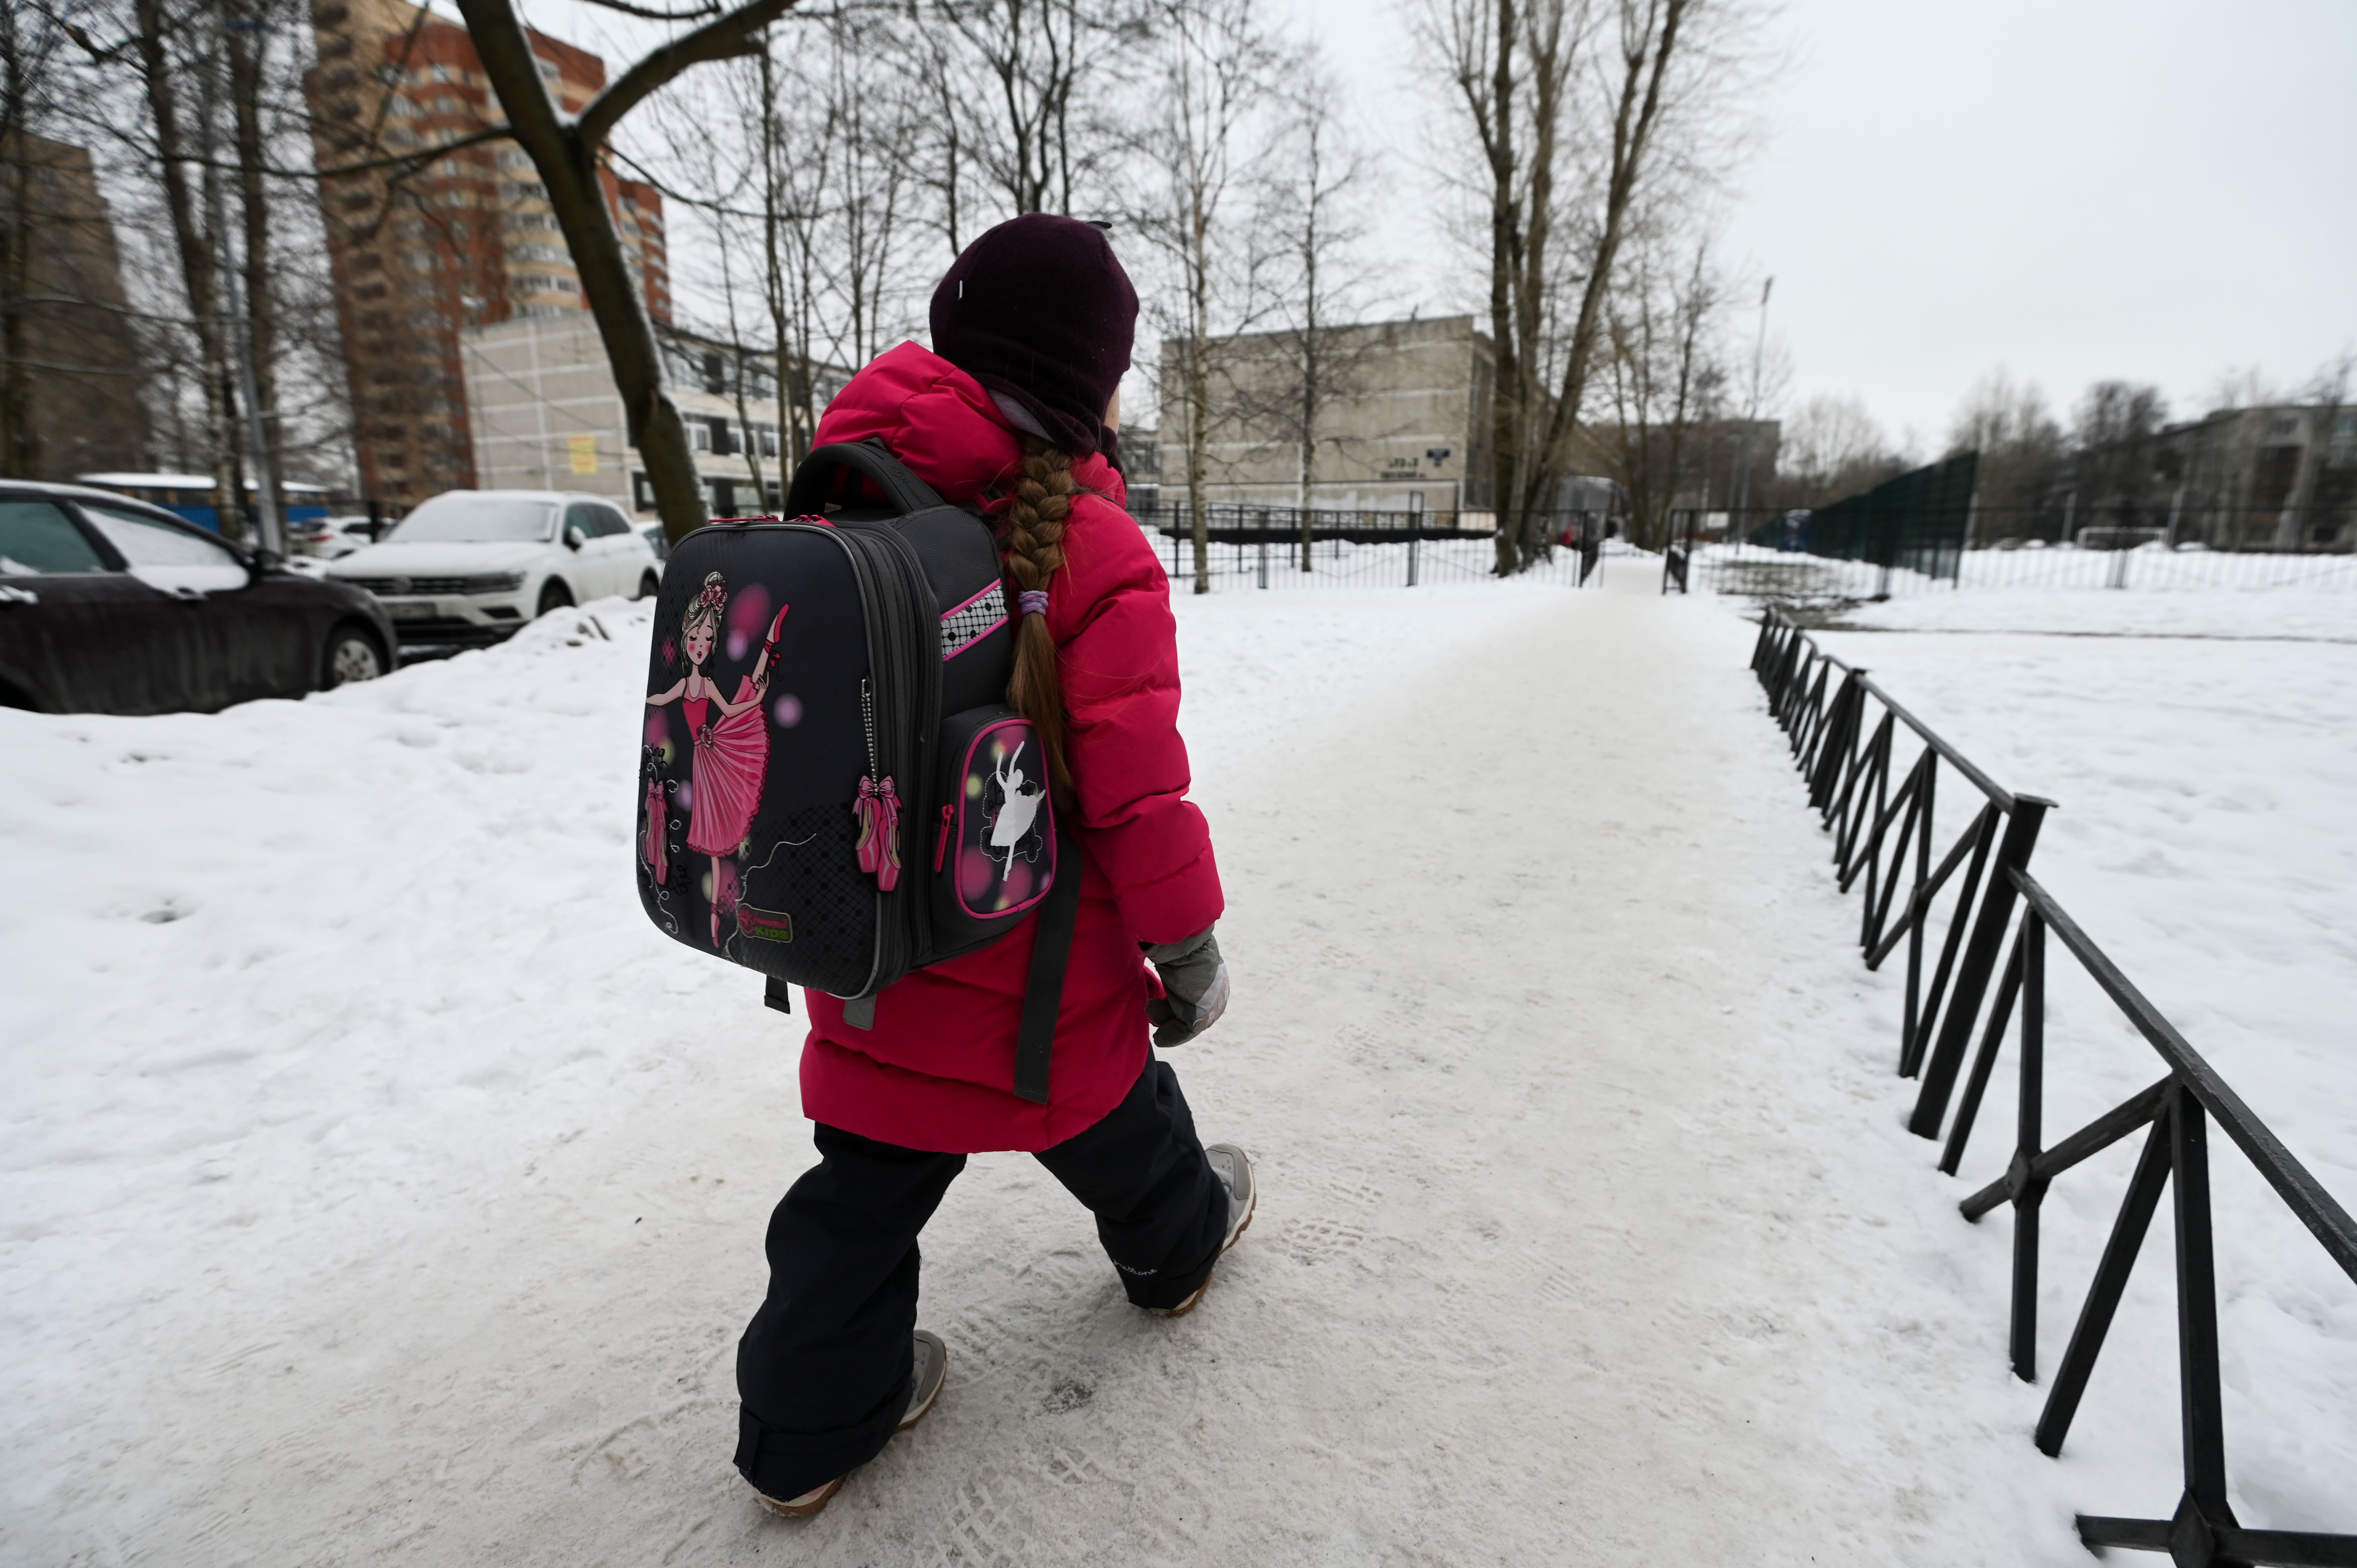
(2073, 189)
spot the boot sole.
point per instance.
(801, 1508)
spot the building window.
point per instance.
(643, 494)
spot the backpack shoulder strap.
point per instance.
(816, 477)
(1050, 955)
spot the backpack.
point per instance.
(833, 790)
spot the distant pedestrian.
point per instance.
(1017, 409)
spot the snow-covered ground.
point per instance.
(2202, 747)
(2203, 751)
(380, 1186)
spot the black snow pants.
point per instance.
(823, 1369)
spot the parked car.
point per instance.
(115, 606)
(657, 539)
(468, 567)
(330, 538)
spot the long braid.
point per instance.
(1035, 551)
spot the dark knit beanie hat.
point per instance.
(1040, 309)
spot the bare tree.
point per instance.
(150, 48)
(2021, 452)
(1510, 66)
(564, 151)
(1313, 210)
(2113, 437)
(1038, 141)
(1216, 64)
(1834, 447)
(1567, 104)
(1646, 43)
(1663, 378)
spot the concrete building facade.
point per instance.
(2281, 478)
(544, 413)
(468, 240)
(1402, 426)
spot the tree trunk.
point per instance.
(773, 274)
(261, 314)
(1506, 400)
(20, 453)
(564, 151)
(1645, 69)
(195, 249)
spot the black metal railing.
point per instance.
(1846, 733)
(1284, 547)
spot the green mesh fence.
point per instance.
(1916, 522)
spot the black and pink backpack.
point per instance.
(833, 790)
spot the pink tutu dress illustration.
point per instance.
(731, 741)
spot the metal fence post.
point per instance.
(1411, 560)
(1264, 560)
(1979, 963)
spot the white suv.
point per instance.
(470, 566)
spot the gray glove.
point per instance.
(1195, 979)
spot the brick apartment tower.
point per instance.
(468, 240)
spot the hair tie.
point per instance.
(1032, 601)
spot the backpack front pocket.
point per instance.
(994, 849)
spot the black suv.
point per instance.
(110, 605)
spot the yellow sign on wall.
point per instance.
(585, 453)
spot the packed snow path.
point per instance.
(382, 1188)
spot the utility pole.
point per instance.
(1751, 415)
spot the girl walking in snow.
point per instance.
(1016, 409)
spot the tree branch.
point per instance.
(628, 10)
(419, 158)
(668, 194)
(728, 38)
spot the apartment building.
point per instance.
(544, 413)
(64, 297)
(419, 259)
(1401, 423)
(2278, 477)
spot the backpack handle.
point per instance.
(815, 475)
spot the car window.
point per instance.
(37, 537)
(473, 516)
(592, 520)
(166, 558)
(609, 521)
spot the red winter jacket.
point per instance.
(937, 1070)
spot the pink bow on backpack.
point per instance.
(878, 809)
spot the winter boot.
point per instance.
(1233, 1168)
(933, 1365)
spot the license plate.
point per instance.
(410, 612)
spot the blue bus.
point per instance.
(190, 496)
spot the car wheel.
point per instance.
(649, 584)
(352, 655)
(555, 596)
